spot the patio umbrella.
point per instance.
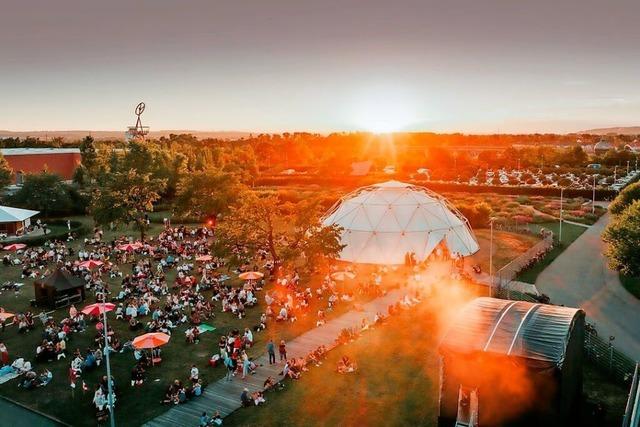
(90, 264)
(341, 276)
(150, 340)
(251, 275)
(4, 316)
(15, 247)
(204, 258)
(98, 308)
(129, 247)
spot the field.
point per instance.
(397, 382)
(134, 404)
(374, 396)
(506, 247)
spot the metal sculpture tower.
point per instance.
(138, 132)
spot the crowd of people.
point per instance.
(147, 301)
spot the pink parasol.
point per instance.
(15, 247)
(98, 308)
(91, 264)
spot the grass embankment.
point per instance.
(570, 232)
(631, 284)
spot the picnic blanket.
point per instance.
(205, 328)
(7, 375)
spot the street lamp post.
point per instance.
(491, 259)
(560, 231)
(593, 202)
(627, 167)
(106, 355)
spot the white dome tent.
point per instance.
(383, 222)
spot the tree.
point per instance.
(623, 237)
(44, 192)
(206, 193)
(285, 230)
(626, 197)
(6, 174)
(127, 198)
(89, 155)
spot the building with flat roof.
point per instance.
(62, 161)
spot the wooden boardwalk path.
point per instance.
(224, 396)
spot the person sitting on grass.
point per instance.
(194, 373)
(137, 375)
(346, 366)
(271, 384)
(258, 398)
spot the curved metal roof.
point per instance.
(513, 328)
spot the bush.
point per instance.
(623, 236)
(77, 227)
(627, 196)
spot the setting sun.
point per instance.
(383, 111)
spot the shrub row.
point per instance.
(77, 227)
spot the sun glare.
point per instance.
(384, 111)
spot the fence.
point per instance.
(632, 410)
(509, 272)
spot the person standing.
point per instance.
(282, 349)
(4, 354)
(228, 362)
(271, 349)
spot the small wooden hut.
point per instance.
(59, 289)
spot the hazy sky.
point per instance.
(321, 65)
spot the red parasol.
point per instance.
(98, 308)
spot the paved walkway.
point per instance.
(579, 277)
(12, 414)
(224, 396)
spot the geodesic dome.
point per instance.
(383, 222)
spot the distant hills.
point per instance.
(72, 135)
(625, 130)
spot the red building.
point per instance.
(62, 161)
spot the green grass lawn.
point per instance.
(632, 284)
(396, 383)
(134, 405)
(570, 233)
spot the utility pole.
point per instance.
(593, 203)
(491, 259)
(560, 232)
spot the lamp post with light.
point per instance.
(491, 257)
(560, 231)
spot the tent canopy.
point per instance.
(61, 280)
(532, 331)
(383, 222)
(9, 214)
